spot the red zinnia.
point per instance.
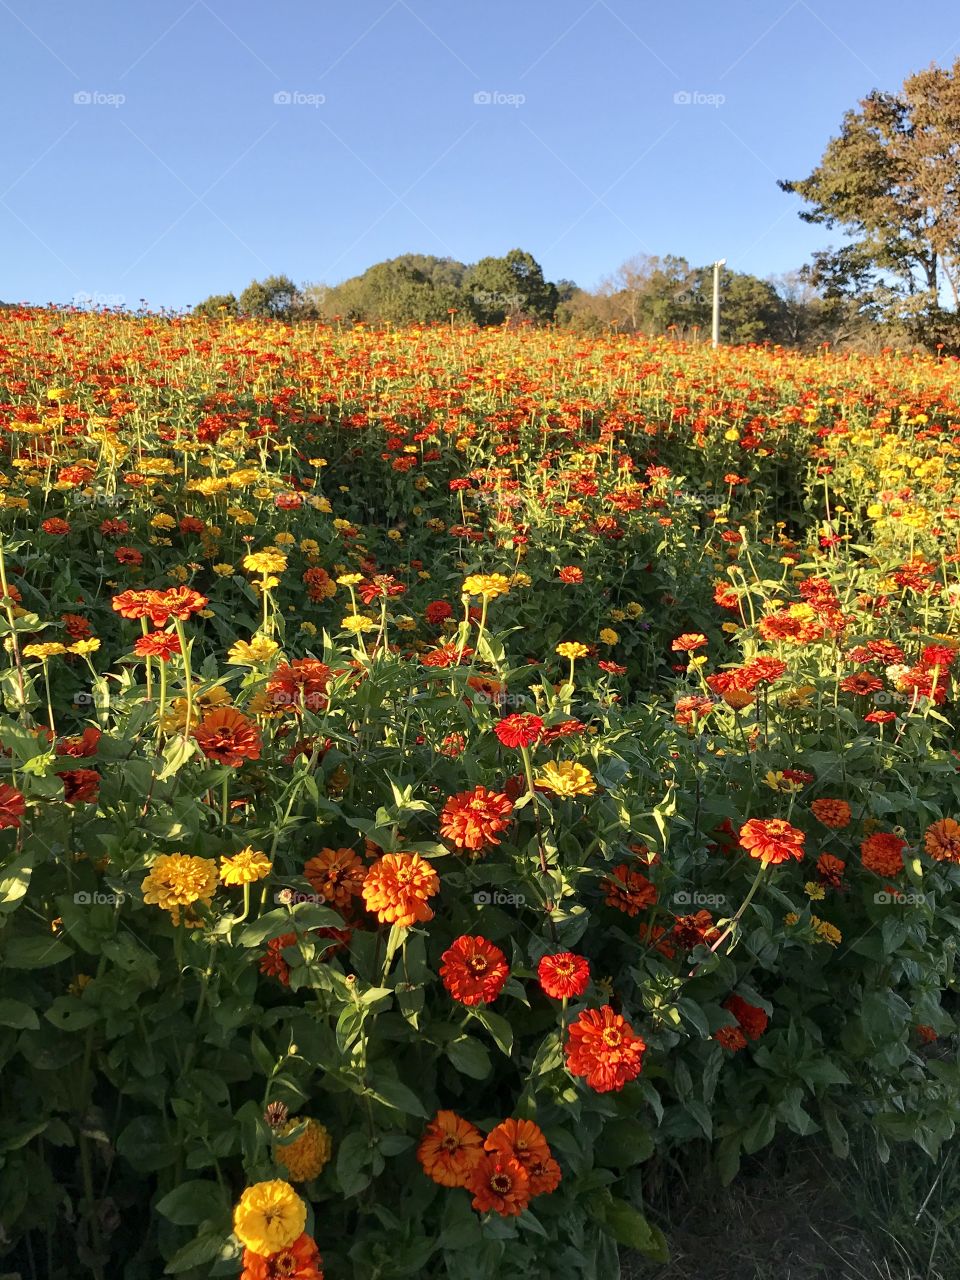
(474, 970)
(751, 1020)
(158, 644)
(628, 891)
(80, 786)
(12, 806)
(563, 975)
(519, 730)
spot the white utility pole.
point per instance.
(716, 300)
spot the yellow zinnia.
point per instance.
(269, 1217)
(265, 562)
(253, 652)
(489, 585)
(178, 880)
(572, 649)
(566, 778)
(244, 867)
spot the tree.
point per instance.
(511, 287)
(274, 298)
(750, 308)
(411, 289)
(218, 304)
(891, 182)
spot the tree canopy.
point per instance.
(890, 181)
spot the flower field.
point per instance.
(448, 775)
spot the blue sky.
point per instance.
(170, 150)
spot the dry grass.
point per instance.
(798, 1214)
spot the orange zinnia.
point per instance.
(942, 840)
(176, 603)
(302, 682)
(772, 840)
(830, 870)
(523, 1141)
(227, 736)
(450, 1149)
(472, 819)
(336, 875)
(882, 853)
(397, 886)
(132, 604)
(501, 1185)
(604, 1048)
(834, 814)
(298, 1261)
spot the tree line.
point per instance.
(889, 183)
(650, 295)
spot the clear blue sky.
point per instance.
(199, 180)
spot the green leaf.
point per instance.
(623, 1143)
(193, 1202)
(145, 1146)
(175, 755)
(549, 1056)
(397, 1096)
(470, 1057)
(35, 952)
(728, 1159)
(353, 1160)
(630, 1228)
(17, 1014)
(70, 1014)
(304, 915)
(14, 881)
(204, 1247)
(18, 1135)
(836, 1133)
(499, 1028)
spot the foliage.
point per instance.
(274, 298)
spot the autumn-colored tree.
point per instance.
(891, 182)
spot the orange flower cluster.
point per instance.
(503, 1172)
